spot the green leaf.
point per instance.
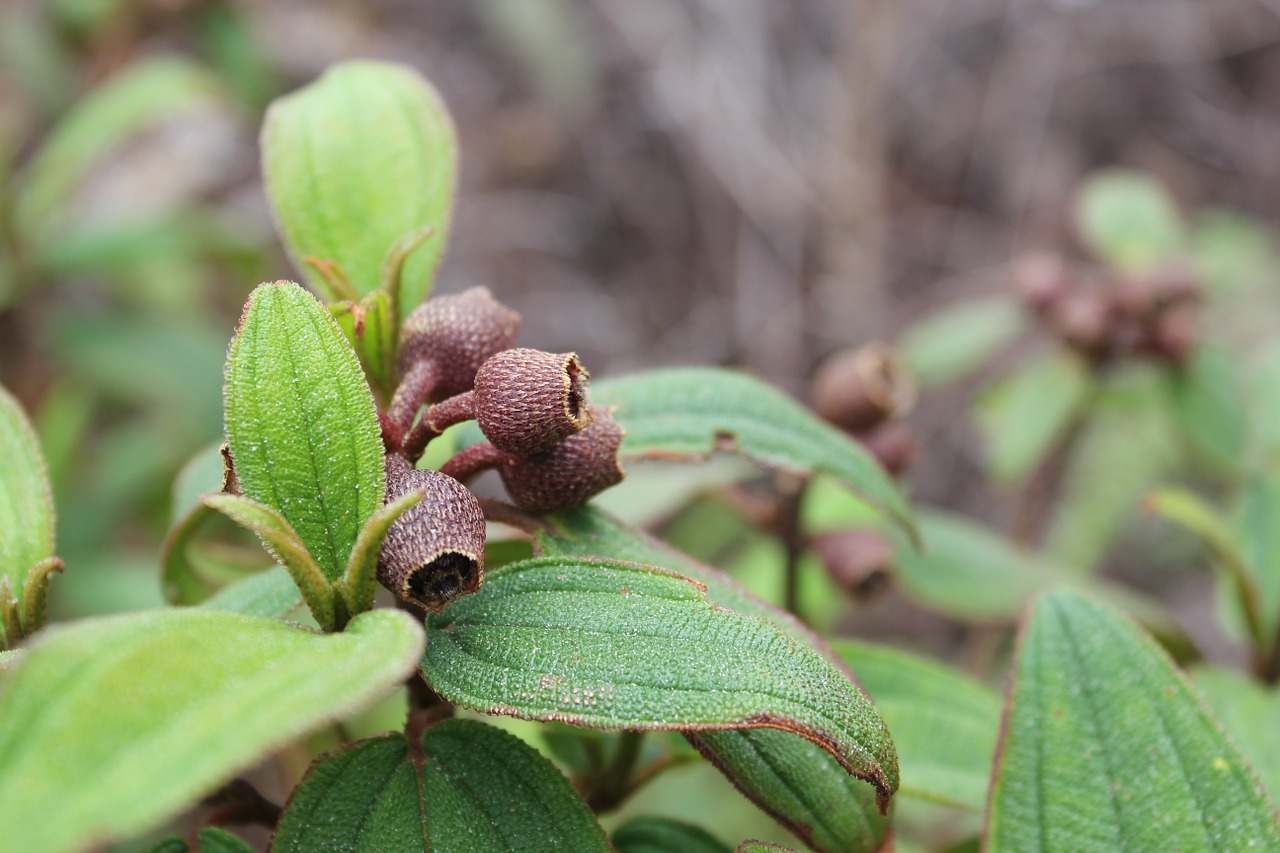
(271, 594)
(472, 788)
(647, 834)
(301, 422)
(753, 846)
(1029, 410)
(142, 95)
(800, 786)
(944, 724)
(1105, 747)
(287, 547)
(959, 338)
(1248, 711)
(965, 571)
(371, 328)
(26, 502)
(1208, 400)
(214, 839)
(615, 645)
(1258, 533)
(1128, 220)
(354, 162)
(115, 724)
(691, 412)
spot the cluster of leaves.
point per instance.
(585, 624)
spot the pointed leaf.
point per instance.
(474, 788)
(690, 412)
(301, 422)
(944, 724)
(360, 581)
(353, 162)
(286, 546)
(1209, 406)
(663, 835)
(1248, 711)
(619, 646)
(112, 725)
(800, 786)
(1127, 219)
(26, 500)
(1105, 747)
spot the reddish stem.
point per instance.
(470, 461)
(411, 393)
(436, 419)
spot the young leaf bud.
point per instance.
(571, 472)
(528, 401)
(434, 553)
(858, 389)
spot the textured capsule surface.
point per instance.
(527, 401)
(570, 473)
(434, 553)
(456, 334)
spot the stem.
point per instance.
(470, 461)
(436, 419)
(411, 393)
(1045, 483)
(791, 491)
(612, 788)
(242, 804)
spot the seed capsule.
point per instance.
(434, 553)
(570, 473)
(527, 401)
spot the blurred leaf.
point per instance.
(381, 161)
(1263, 400)
(1029, 410)
(201, 475)
(227, 37)
(26, 507)
(36, 60)
(1259, 541)
(214, 839)
(546, 40)
(798, 785)
(113, 725)
(827, 505)
(752, 846)
(614, 645)
(1231, 252)
(655, 491)
(683, 412)
(1127, 447)
(944, 724)
(301, 422)
(1127, 219)
(143, 94)
(1208, 400)
(1248, 711)
(968, 572)
(1105, 747)
(472, 788)
(648, 834)
(959, 338)
(271, 594)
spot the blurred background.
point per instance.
(739, 182)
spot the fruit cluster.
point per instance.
(865, 392)
(553, 449)
(1105, 315)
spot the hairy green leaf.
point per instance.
(1105, 747)
(360, 580)
(143, 94)
(662, 835)
(213, 839)
(691, 412)
(1248, 711)
(272, 594)
(287, 547)
(354, 162)
(944, 724)
(753, 846)
(301, 422)
(960, 338)
(1029, 410)
(1128, 220)
(26, 501)
(800, 786)
(471, 788)
(1209, 404)
(114, 724)
(619, 646)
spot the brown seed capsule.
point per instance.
(434, 553)
(527, 401)
(894, 446)
(857, 389)
(442, 345)
(570, 473)
(1083, 319)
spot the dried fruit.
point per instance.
(858, 389)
